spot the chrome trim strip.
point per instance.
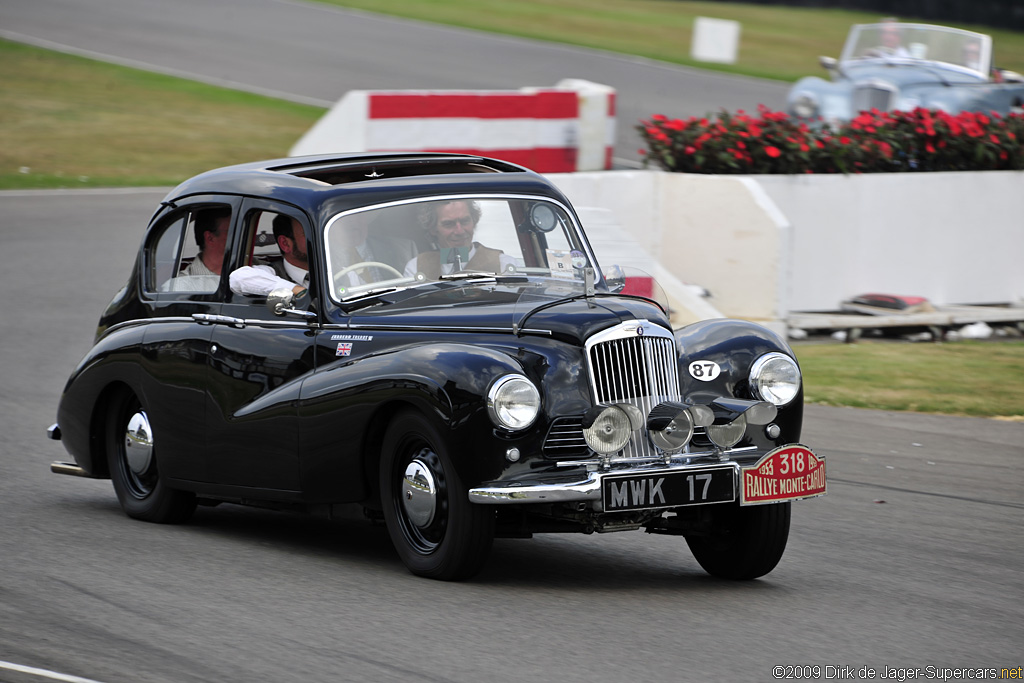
(434, 328)
(587, 489)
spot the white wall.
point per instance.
(950, 237)
(768, 245)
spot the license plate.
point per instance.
(788, 473)
(652, 490)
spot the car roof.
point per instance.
(359, 179)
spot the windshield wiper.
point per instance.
(468, 275)
(370, 294)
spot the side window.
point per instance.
(163, 254)
(261, 247)
(187, 254)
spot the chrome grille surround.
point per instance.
(635, 363)
(565, 439)
(868, 95)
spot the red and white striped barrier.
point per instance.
(570, 127)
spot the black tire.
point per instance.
(745, 542)
(133, 466)
(437, 532)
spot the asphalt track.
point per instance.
(911, 561)
(315, 54)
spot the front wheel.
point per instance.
(745, 542)
(131, 454)
(437, 532)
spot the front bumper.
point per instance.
(758, 477)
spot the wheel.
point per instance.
(745, 543)
(363, 265)
(131, 454)
(437, 532)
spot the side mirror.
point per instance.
(828, 63)
(280, 300)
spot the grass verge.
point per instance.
(67, 121)
(974, 378)
(775, 42)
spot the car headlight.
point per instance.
(805, 105)
(607, 428)
(513, 402)
(775, 377)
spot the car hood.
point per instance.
(556, 310)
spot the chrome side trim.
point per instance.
(68, 468)
(435, 328)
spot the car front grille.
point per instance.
(869, 96)
(634, 363)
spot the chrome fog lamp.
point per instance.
(670, 426)
(727, 434)
(607, 428)
(775, 377)
(513, 402)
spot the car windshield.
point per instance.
(408, 243)
(894, 41)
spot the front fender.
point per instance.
(345, 409)
(734, 345)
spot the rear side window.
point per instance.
(186, 253)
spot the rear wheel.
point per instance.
(131, 455)
(745, 542)
(437, 532)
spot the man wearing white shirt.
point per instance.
(452, 223)
(203, 273)
(293, 274)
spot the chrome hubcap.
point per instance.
(419, 494)
(138, 444)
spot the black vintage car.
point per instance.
(429, 337)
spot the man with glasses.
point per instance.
(451, 224)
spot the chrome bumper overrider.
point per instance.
(586, 489)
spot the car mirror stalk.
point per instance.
(282, 301)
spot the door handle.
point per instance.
(210, 319)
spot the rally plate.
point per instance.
(791, 472)
(668, 489)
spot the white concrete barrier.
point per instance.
(570, 127)
(766, 246)
(715, 40)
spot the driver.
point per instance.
(452, 224)
(891, 34)
(293, 270)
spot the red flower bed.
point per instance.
(874, 142)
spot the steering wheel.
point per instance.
(362, 265)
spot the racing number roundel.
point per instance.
(704, 370)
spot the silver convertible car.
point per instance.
(896, 66)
